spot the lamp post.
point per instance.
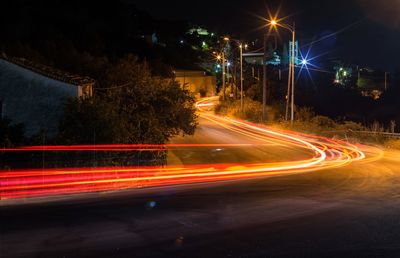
(241, 78)
(264, 90)
(291, 81)
(241, 69)
(222, 58)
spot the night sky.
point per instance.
(369, 29)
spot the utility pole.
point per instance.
(235, 79)
(293, 72)
(227, 39)
(288, 88)
(241, 78)
(228, 75)
(264, 80)
(385, 81)
(223, 76)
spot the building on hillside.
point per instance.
(199, 31)
(34, 94)
(197, 82)
(343, 76)
(370, 82)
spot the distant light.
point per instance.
(218, 66)
(151, 204)
(219, 57)
(228, 64)
(204, 43)
(212, 34)
(181, 41)
(246, 46)
(226, 38)
(345, 73)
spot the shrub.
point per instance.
(252, 110)
(323, 121)
(393, 144)
(304, 114)
(351, 126)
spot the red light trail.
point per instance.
(323, 153)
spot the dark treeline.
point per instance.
(116, 44)
(82, 36)
(347, 102)
(131, 57)
(317, 91)
(92, 37)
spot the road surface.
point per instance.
(223, 150)
(346, 205)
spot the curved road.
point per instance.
(224, 150)
(348, 206)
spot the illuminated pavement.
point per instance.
(224, 150)
(347, 206)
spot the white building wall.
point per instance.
(33, 99)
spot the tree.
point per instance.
(130, 106)
(89, 121)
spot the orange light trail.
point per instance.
(323, 153)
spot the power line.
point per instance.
(115, 87)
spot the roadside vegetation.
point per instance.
(130, 105)
(307, 121)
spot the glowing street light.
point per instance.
(291, 81)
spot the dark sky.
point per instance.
(371, 37)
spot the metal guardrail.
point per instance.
(49, 72)
(385, 134)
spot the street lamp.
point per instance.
(221, 57)
(223, 73)
(241, 69)
(292, 29)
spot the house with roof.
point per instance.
(34, 94)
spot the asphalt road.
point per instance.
(353, 211)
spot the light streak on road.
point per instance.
(323, 153)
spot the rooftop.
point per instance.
(49, 72)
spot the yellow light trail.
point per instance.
(324, 153)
